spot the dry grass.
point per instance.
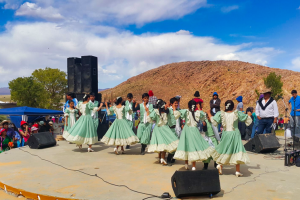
(5, 98)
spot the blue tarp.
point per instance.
(29, 111)
(17, 119)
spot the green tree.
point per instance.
(273, 82)
(55, 85)
(27, 92)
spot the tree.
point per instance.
(55, 85)
(27, 92)
(273, 82)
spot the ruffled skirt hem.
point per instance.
(79, 140)
(163, 147)
(231, 159)
(195, 155)
(120, 142)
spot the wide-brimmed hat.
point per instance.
(34, 128)
(4, 121)
(266, 90)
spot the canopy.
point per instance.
(29, 111)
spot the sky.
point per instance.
(130, 37)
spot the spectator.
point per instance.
(70, 97)
(280, 123)
(178, 97)
(34, 129)
(198, 100)
(215, 103)
(43, 127)
(57, 127)
(266, 112)
(4, 140)
(240, 106)
(18, 140)
(152, 98)
(9, 131)
(51, 127)
(294, 105)
(25, 131)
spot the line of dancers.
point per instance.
(190, 146)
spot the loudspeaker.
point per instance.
(41, 140)
(89, 76)
(196, 183)
(74, 64)
(83, 75)
(103, 124)
(263, 143)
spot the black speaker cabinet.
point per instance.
(83, 75)
(196, 183)
(41, 140)
(263, 143)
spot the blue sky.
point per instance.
(130, 37)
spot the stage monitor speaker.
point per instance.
(41, 140)
(196, 183)
(263, 143)
(89, 76)
(73, 65)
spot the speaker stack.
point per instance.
(196, 183)
(263, 143)
(83, 76)
(41, 140)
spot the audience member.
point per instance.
(152, 98)
(25, 131)
(294, 105)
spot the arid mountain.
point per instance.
(229, 78)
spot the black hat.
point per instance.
(294, 91)
(197, 94)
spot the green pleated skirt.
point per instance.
(230, 150)
(163, 139)
(82, 132)
(192, 146)
(120, 134)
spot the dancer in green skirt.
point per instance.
(94, 114)
(145, 126)
(231, 150)
(71, 115)
(84, 131)
(130, 103)
(192, 147)
(163, 139)
(119, 133)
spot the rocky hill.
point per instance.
(229, 78)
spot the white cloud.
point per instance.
(228, 9)
(120, 12)
(11, 4)
(121, 54)
(33, 10)
(296, 63)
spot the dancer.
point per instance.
(173, 116)
(212, 137)
(144, 128)
(94, 114)
(71, 115)
(119, 133)
(163, 139)
(192, 147)
(128, 115)
(84, 131)
(231, 150)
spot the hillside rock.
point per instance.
(229, 78)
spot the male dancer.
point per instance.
(129, 117)
(172, 124)
(144, 128)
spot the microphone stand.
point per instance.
(294, 125)
(286, 109)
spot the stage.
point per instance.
(264, 178)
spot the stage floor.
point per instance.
(265, 178)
